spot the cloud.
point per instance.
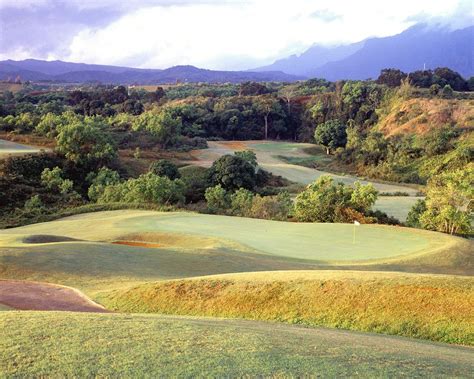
(326, 15)
(208, 33)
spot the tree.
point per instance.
(34, 205)
(331, 134)
(413, 218)
(391, 77)
(447, 92)
(325, 201)
(241, 202)
(247, 155)
(470, 84)
(161, 124)
(52, 179)
(449, 202)
(445, 76)
(252, 89)
(434, 89)
(272, 207)
(86, 141)
(166, 168)
(363, 197)
(146, 189)
(217, 199)
(98, 181)
(267, 105)
(233, 172)
(196, 180)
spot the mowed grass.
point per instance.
(439, 308)
(11, 148)
(38, 344)
(196, 245)
(396, 206)
(269, 156)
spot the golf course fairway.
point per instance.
(62, 344)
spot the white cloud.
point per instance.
(240, 34)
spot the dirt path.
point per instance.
(36, 296)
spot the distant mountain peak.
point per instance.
(433, 45)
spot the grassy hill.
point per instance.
(74, 344)
(420, 116)
(423, 306)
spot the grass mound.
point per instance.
(45, 238)
(431, 307)
(62, 344)
(176, 240)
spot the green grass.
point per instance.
(396, 206)
(195, 245)
(9, 148)
(38, 344)
(269, 155)
(431, 307)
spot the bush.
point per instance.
(166, 168)
(53, 180)
(324, 201)
(196, 180)
(147, 188)
(217, 199)
(103, 178)
(241, 202)
(232, 173)
(272, 207)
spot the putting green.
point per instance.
(309, 241)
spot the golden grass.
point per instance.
(419, 116)
(435, 307)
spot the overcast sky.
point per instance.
(215, 34)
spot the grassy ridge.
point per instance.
(61, 344)
(431, 307)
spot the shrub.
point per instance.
(217, 199)
(196, 180)
(241, 202)
(232, 172)
(166, 168)
(103, 178)
(324, 201)
(272, 207)
(147, 188)
(52, 179)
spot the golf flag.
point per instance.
(356, 223)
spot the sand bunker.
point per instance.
(137, 243)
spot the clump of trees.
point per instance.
(245, 203)
(326, 201)
(449, 203)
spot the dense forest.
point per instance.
(403, 127)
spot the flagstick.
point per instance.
(354, 234)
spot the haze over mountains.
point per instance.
(415, 48)
(58, 71)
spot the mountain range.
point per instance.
(67, 72)
(414, 49)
